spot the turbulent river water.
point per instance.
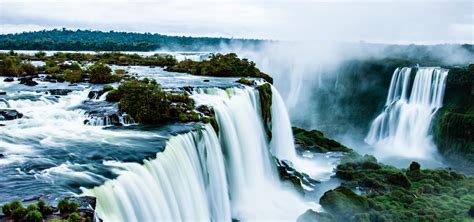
(65, 145)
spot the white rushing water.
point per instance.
(185, 182)
(403, 128)
(282, 143)
(200, 176)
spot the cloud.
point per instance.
(374, 21)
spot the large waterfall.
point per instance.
(204, 177)
(403, 128)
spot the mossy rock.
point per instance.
(311, 215)
(265, 93)
(406, 195)
(399, 179)
(315, 141)
(342, 202)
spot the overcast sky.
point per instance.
(426, 21)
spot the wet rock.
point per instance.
(28, 81)
(187, 88)
(414, 166)
(471, 211)
(3, 93)
(59, 92)
(2, 155)
(298, 179)
(206, 80)
(205, 110)
(96, 94)
(9, 114)
(9, 79)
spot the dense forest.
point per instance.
(86, 40)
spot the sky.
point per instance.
(383, 21)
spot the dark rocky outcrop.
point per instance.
(59, 92)
(265, 93)
(298, 179)
(315, 141)
(343, 203)
(28, 81)
(9, 114)
(9, 79)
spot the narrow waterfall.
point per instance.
(200, 176)
(403, 128)
(282, 143)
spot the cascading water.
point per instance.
(282, 143)
(403, 128)
(185, 182)
(202, 177)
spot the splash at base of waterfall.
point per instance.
(403, 128)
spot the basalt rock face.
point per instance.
(9, 114)
(453, 125)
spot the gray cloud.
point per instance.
(374, 21)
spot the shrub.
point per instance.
(28, 69)
(100, 73)
(73, 76)
(52, 69)
(107, 88)
(143, 100)
(8, 208)
(74, 217)
(34, 216)
(65, 206)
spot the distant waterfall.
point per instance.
(403, 128)
(202, 177)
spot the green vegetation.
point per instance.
(13, 66)
(146, 102)
(315, 141)
(85, 40)
(454, 124)
(219, 65)
(245, 81)
(36, 212)
(101, 73)
(265, 93)
(391, 194)
(67, 207)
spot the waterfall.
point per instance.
(181, 184)
(200, 176)
(403, 128)
(282, 143)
